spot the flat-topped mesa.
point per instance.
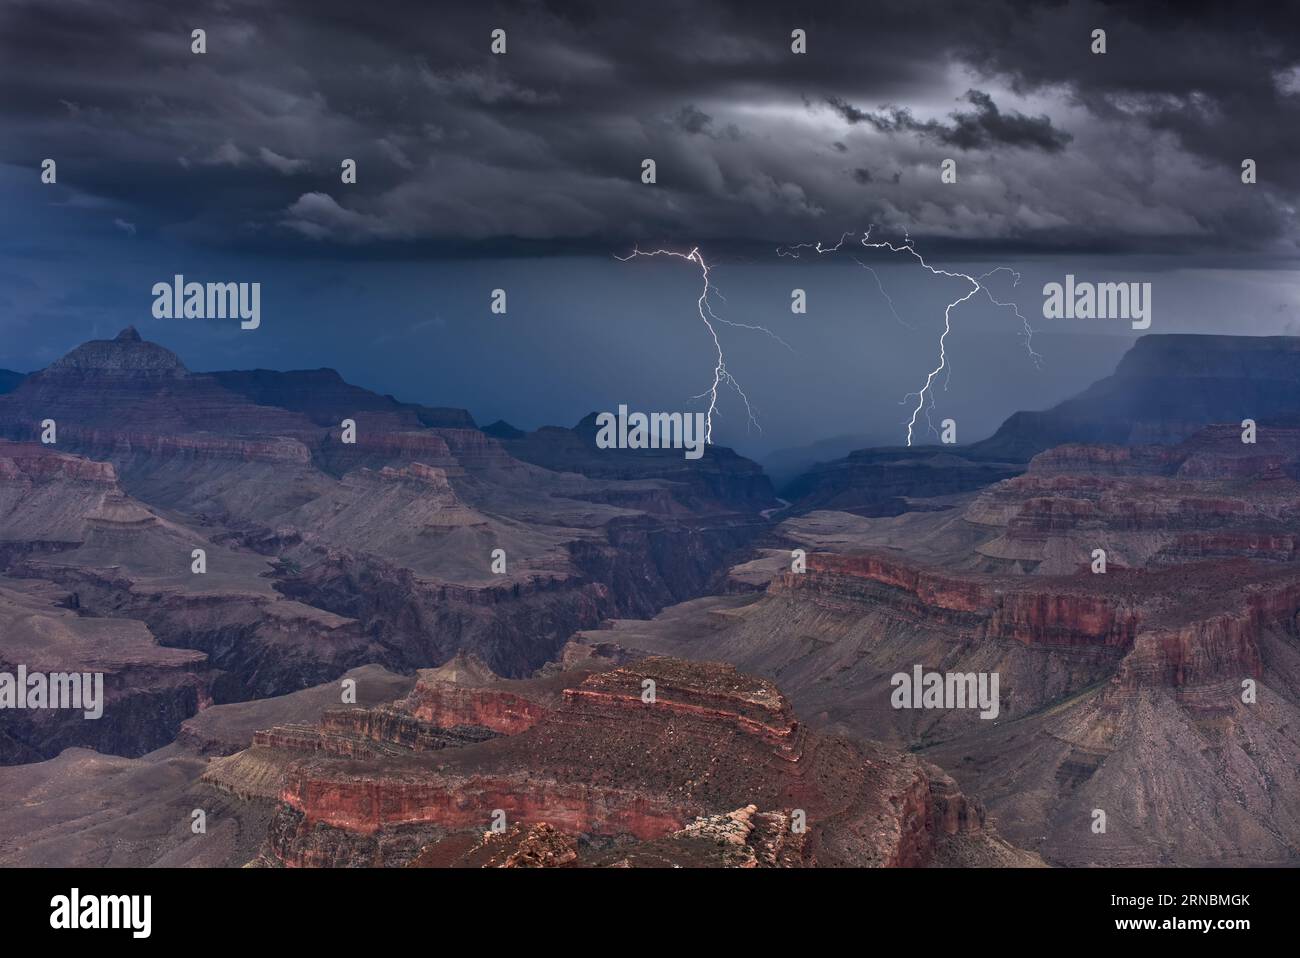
(414, 483)
(389, 501)
(395, 726)
(499, 706)
(541, 766)
(956, 606)
(298, 738)
(118, 511)
(386, 512)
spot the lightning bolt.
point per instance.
(925, 395)
(721, 375)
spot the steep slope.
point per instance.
(66, 520)
(586, 771)
(1165, 388)
(147, 690)
(422, 538)
(1164, 692)
(85, 809)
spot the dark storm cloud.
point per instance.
(1220, 77)
(851, 113)
(1139, 147)
(986, 126)
(693, 120)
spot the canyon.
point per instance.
(322, 555)
(1177, 668)
(430, 646)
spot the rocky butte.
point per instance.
(576, 767)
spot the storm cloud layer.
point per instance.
(540, 149)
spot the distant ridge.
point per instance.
(323, 395)
(1164, 389)
(503, 430)
(10, 380)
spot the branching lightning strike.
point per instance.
(925, 395)
(721, 375)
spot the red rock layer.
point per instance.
(1050, 613)
(446, 706)
(602, 761)
(1182, 627)
(1211, 496)
(37, 463)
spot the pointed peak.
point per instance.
(503, 430)
(587, 424)
(128, 353)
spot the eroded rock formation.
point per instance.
(589, 768)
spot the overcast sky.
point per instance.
(522, 171)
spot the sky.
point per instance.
(522, 172)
